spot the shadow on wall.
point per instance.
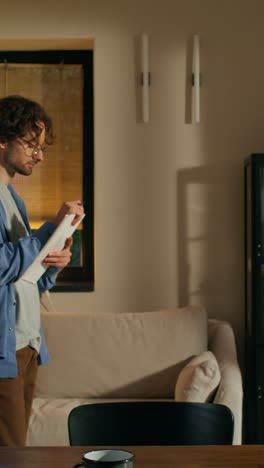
(210, 239)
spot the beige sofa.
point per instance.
(99, 357)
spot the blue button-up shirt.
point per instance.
(15, 258)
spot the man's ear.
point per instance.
(2, 145)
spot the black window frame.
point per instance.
(73, 278)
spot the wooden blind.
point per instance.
(59, 178)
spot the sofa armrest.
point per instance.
(221, 342)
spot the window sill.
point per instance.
(65, 286)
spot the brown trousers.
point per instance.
(16, 397)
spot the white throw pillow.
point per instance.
(199, 379)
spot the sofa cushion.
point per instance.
(199, 379)
(119, 355)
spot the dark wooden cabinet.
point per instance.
(254, 299)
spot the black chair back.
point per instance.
(151, 423)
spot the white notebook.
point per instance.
(56, 242)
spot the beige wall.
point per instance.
(169, 194)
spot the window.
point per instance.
(62, 81)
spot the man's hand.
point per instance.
(61, 258)
(72, 207)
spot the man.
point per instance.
(24, 129)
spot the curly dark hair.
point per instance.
(19, 115)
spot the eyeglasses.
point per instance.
(32, 150)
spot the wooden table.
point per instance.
(247, 456)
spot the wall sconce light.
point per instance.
(196, 78)
(145, 77)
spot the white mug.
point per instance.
(107, 458)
